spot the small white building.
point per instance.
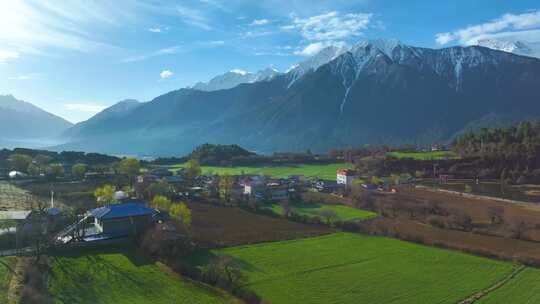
(346, 176)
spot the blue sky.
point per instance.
(74, 58)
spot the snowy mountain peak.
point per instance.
(234, 78)
(516, 47)
(240, 72)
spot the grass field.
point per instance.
(5, 277)
(344, 213)
(325, 171)
(523, 289)
(429, 155)
(122, 277)
(352, 268)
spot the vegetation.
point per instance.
(105, 195)
(130, 167)
(352, 268)
(78, 170)
(342, 212)
(209, 154)
(427, 155)
(524, 288)
(324, 171)
(122, 276)
(178, 211)
(5, 276)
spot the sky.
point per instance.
(74, 58)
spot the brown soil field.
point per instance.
(217, 226)
(504, 248)
(475, 208)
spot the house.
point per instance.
(276, 192)
(346, 177)
(121, 220)
(328, 186)
(161, 172)
(173, 179)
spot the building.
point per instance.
(328, 186)
(346, 177)
(120, 220)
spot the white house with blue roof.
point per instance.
(118, 220)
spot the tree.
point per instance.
(496, 214)
(161, 203)
(20, 162)
(130, 166)
(159, 188)
(78, 170)
(42, 160)
(193, 169)
(33, 170)
(286, 206)
(56, 170)
(328, 214)
(182, 213)
(226, 183)
(518, 228)
(105, 195)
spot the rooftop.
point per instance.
(122, 210)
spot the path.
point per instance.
(482, 293)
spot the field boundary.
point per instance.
(480, 294)
(479, 197)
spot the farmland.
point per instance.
(13, 197)
(324, 171)
(228, 226)
(524, 288)
(123, 277)
(5, 277)
(428, 155)
(351, 268)
(343, 213)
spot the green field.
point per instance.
(5, 277)
(326, 171)
(524, 288)
(122, 277)
(429, 155)
(344, 213)
(353, 268)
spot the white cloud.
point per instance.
(160, 52)
(85, 107)
(166, 74)
(217, 42)
(155, 30)
(6, 55)
(524, 25)
(259, 22)
(193, 17)
(310, 49)
(24, 77)
(330, 26)
(314, 48)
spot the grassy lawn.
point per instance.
(326, 171)
(344, 213)
(353, 268)
(525, 288)
(122, 277)
(429, 155)
(5, 277)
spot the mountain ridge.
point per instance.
(382, 92)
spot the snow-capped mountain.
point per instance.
(235, 77)
(516, 47)
(375, 92)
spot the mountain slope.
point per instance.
(376, 92)
(22, 121)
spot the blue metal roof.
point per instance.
(122, 210)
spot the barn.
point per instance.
(126, 219)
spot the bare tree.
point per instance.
(496, 214)
(518, 227)
(328, 214)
